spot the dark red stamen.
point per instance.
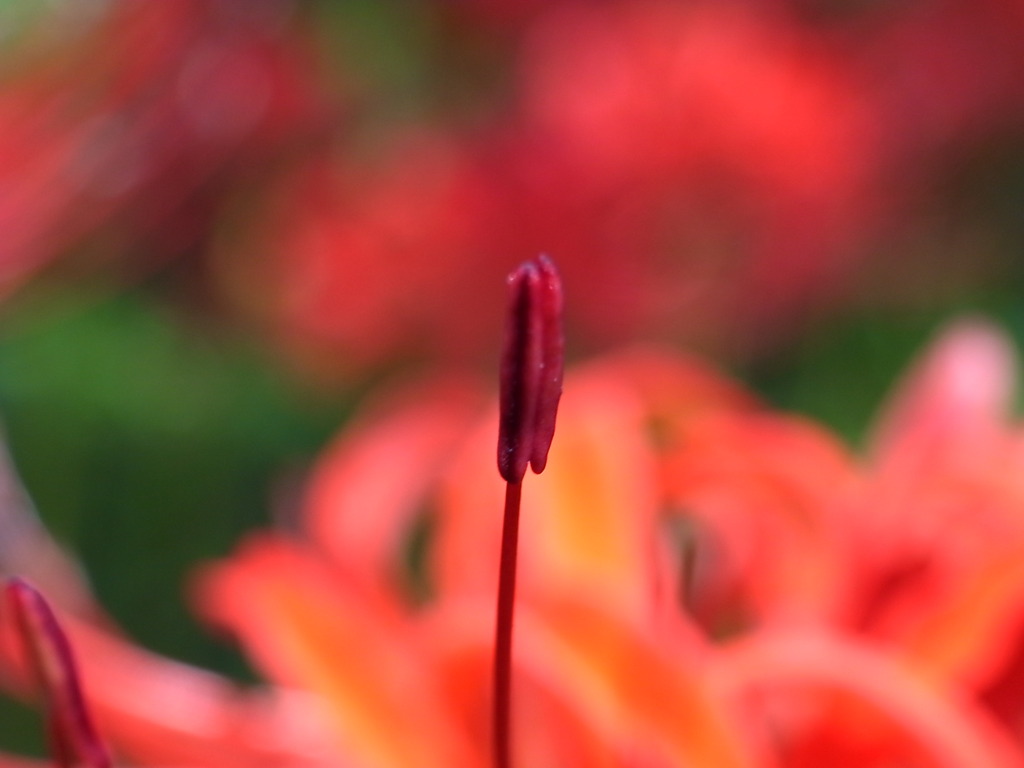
(531, 369)
(531, 385)
(74, 742)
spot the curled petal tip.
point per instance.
(531, 368)
(74, 740)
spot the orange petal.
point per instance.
(765, 494)
(828, 701)
(971, 635)
(159, 712)
(548, 731)
(588, 689)
(369, 487)
(655, 703)
(673, 386)
(303, 627)
(587, 523)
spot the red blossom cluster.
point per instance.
(705, 170)
(126, 132)
(703, 582)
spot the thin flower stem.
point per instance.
(503, 630)
(532, 361)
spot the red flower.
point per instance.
(703, 582)
(131, 130)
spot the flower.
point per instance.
(704, 582)
(707, 172)
(696, 169)
(132, 126)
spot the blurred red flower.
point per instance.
(704, 171)
(698, 171)
(703, 582)
(124, 133)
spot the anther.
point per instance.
(531, 369)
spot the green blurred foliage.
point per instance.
(149, 445)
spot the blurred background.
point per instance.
(224, 222)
